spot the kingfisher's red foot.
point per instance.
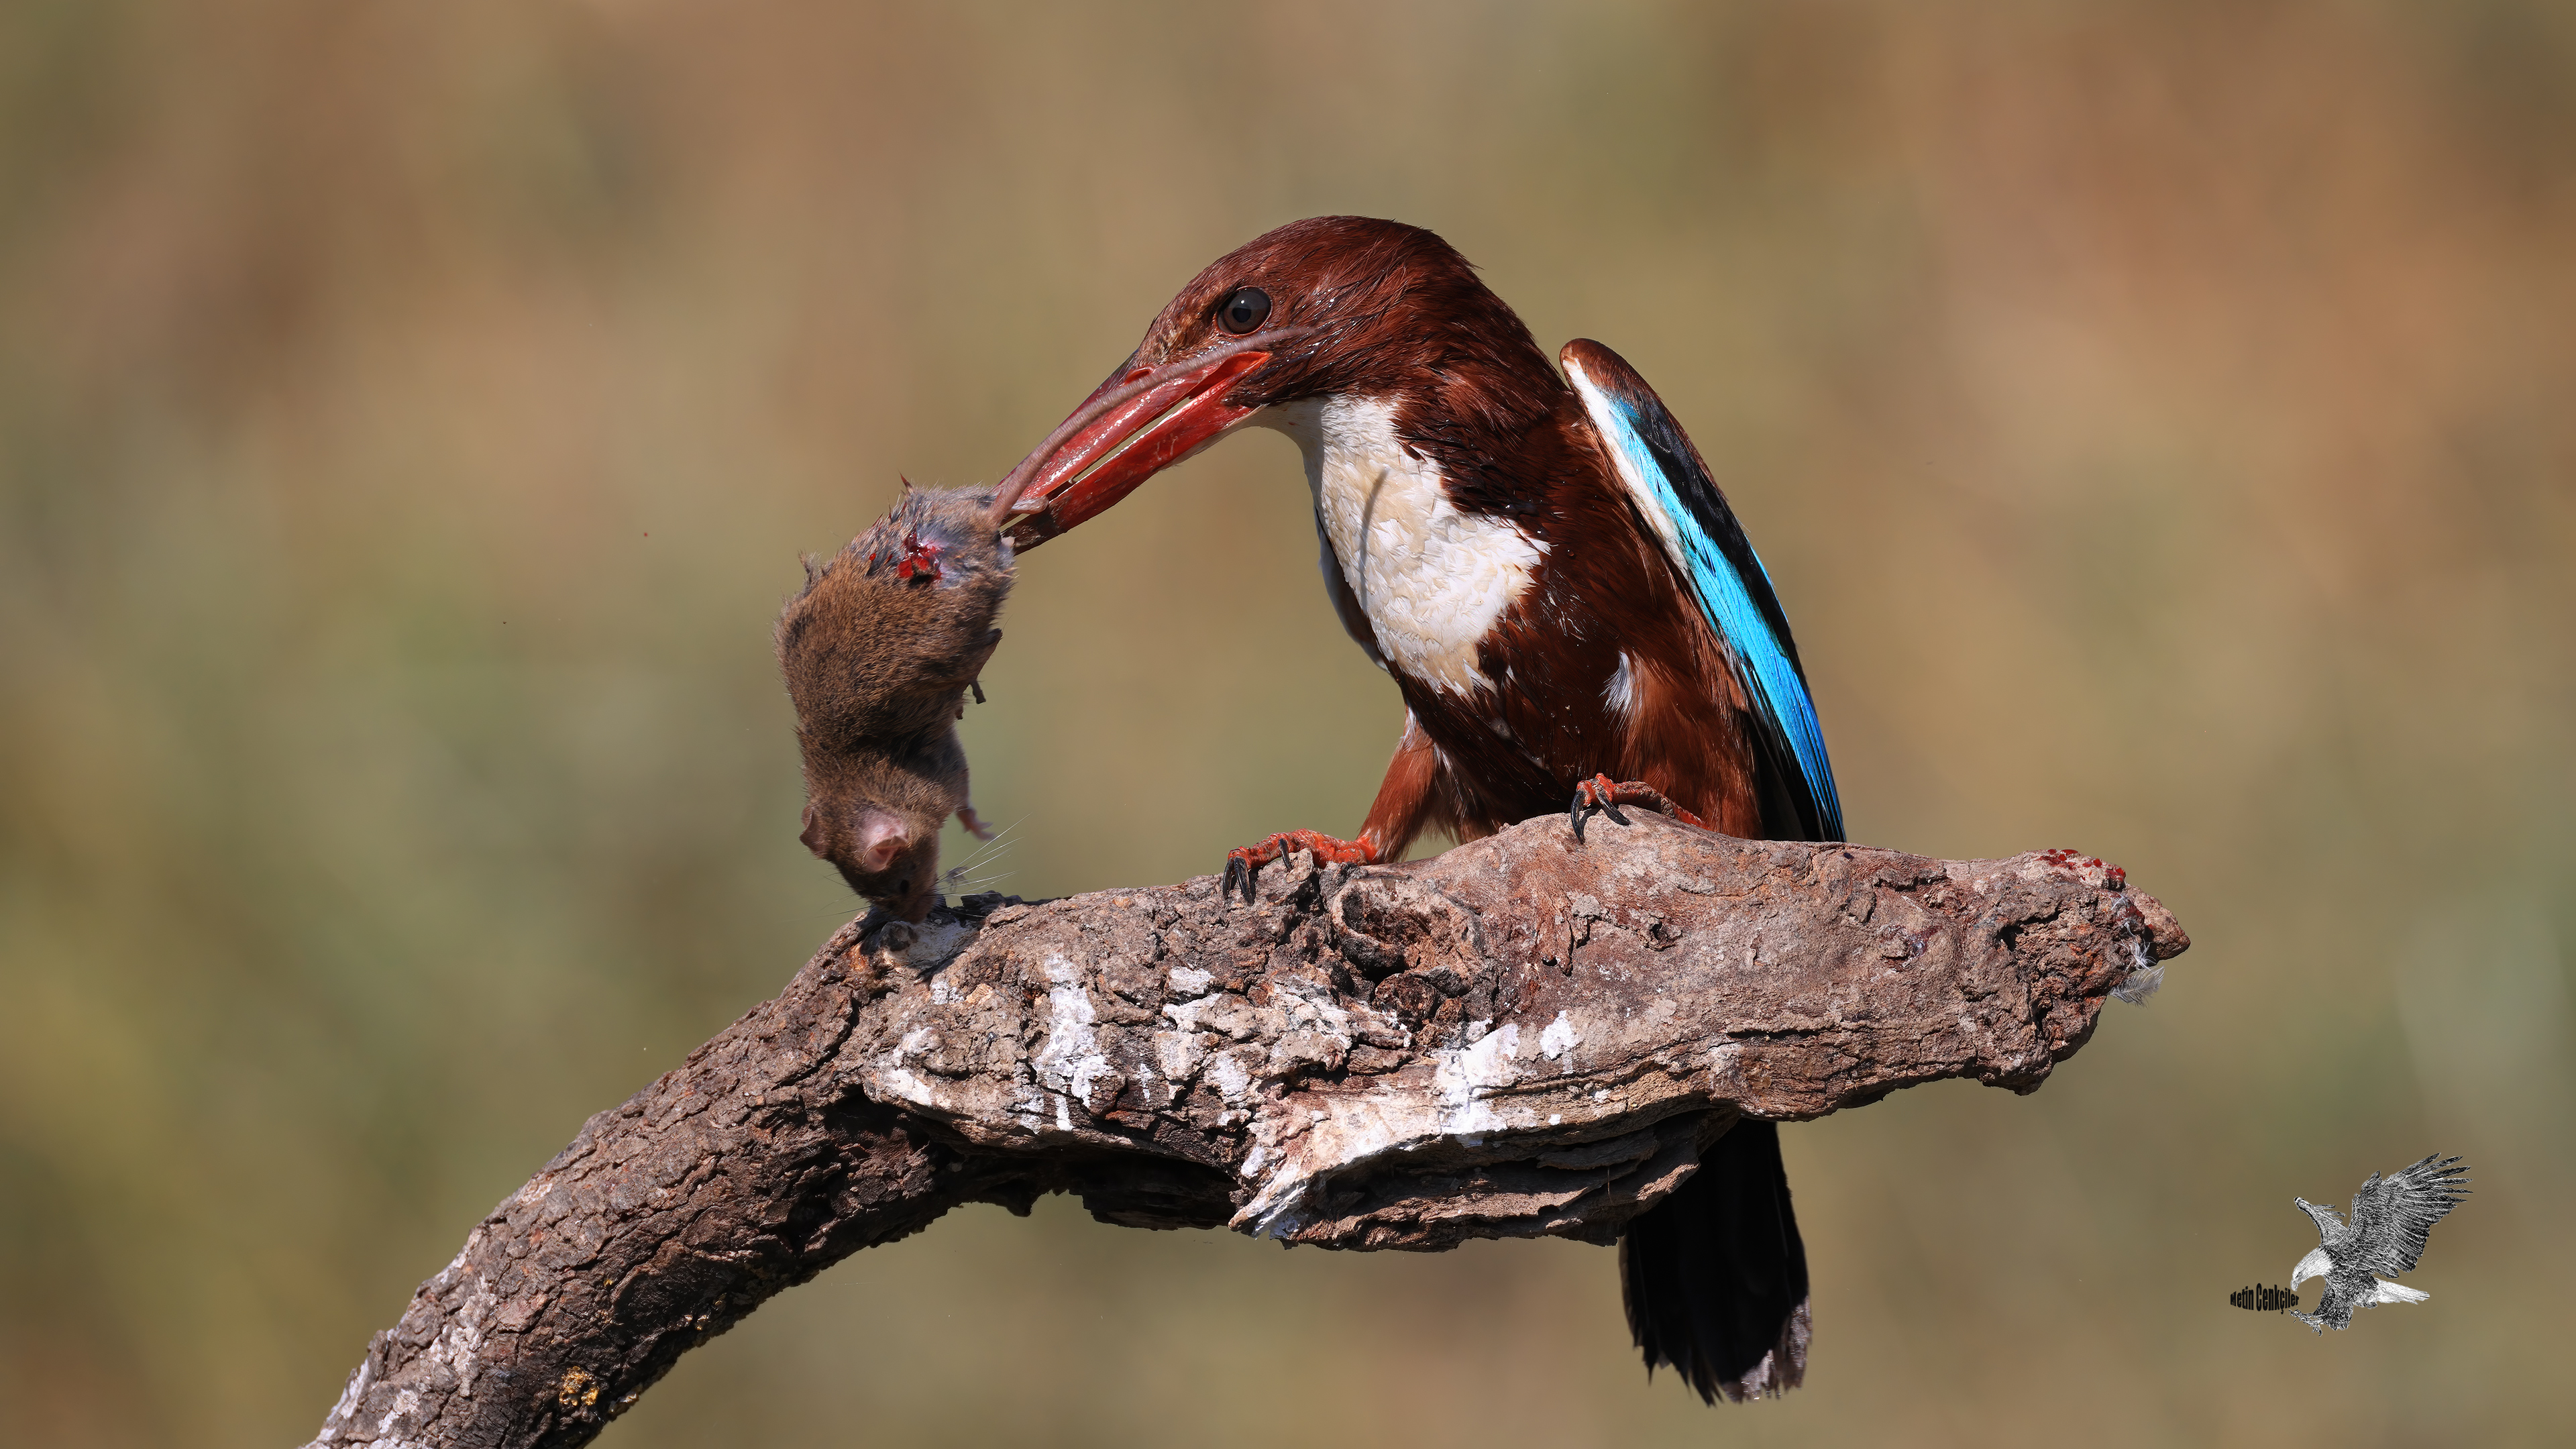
(1605, 795)
(1243, 864)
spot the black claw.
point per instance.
(976, 685)
(1610, 807)
(1574, 813)
(1233, 868)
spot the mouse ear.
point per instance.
(812, 835)
(881, 837)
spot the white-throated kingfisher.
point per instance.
(1546, 568)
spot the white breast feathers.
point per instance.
(1431, 578)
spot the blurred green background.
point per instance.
(2160, 419)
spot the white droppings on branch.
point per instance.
(1232, 1080)
(1071, 1062)
(1559, 1038)
(902, 1084)
(1178, 1055)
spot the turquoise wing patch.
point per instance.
(1672, 489)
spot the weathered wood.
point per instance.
(1527, 1035)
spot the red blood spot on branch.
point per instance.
(2067, 860)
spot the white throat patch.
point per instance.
(1430, 578)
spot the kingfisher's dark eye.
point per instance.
(1243, 309)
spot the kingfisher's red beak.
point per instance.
(1139, 422)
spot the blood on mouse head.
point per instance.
(918, 559)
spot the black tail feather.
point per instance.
(1715, 1276)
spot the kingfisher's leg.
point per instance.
(1605, 795)
(1244, 862)
(1406, 800)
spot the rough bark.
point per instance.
(1527, 1035)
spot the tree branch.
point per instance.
(1527, 1035)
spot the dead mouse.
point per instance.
(889, 634)
(879, 650)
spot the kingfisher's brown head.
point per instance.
(1332, 306)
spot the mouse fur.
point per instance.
(879, 650)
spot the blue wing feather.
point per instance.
(1673, 491)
